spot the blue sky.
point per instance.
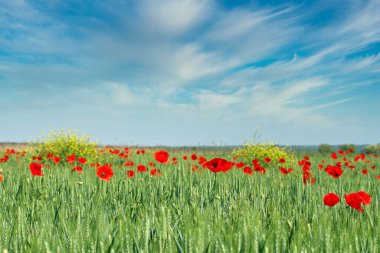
(191, 72)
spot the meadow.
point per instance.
(140, 200)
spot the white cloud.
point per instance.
(208, 100)
(173, 16)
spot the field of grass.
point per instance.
(186, 209)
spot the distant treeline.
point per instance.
(315, 148)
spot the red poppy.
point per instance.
(71, 159)
(202, 160)
(331, 199)
(334, 171)
(239, 165)
(141, 168)
(105, 172)
(248, 170)
(281, 160)
(286, 171)
(56, 160)
(306, 158)
(377, 177)
(267, 160)
(193, 157)
(155, 172)
(161, 156)
(259, 168)
(94, 164)
(218, 165)
(356, 199)
(129, 163)
(36, 169)
(1, 178)
(130, 173)
(334, 156)
(78, 168)
(82, 160)
(184, 158)
(50, 156)
(365, 172)
(38, 158)
(307, 177)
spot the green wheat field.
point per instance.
(185, 207)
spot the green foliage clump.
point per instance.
(63, 144)
(260, 151)
(325, 149)
(373, 149)
(347, 147)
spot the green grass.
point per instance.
(182, 211)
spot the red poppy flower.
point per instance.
(129, 163)
(161, 156)
(36, 169)
(71, 159)
(334, 156)
(56, 160)
(1, 178)
(356, 199)
(50, 156)
(218, 165)
(38, 158)
(130, 173)
(239, 165)
(267, 160)
(377, 177)
(155, 172)
(141, 168)
(82, 160)
(94, 164)
(286, 171)
(184, 158)
(202, 160)
(105, 172)
(365, 172)
(78, 168)
(193, 157)
(306, 158)
(331, 199)
(248, 170)
(307, 177)
(281, 160)
(334, 171)
(259, 168)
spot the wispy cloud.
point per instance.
(194, 59)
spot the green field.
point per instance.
(185, 210)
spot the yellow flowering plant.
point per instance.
(65, 143)
(260, 151)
